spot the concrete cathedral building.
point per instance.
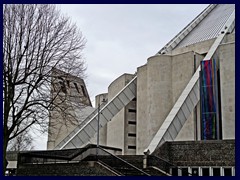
(180, 104)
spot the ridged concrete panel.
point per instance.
(207, 25)
(85, 131)
(93, 123)
(210, 26)
(190, 27)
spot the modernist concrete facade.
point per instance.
(121, 130)
(151, 122)
(180, 158)
(160, 84)
(123, 124)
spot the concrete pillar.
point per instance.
(142, 124)
(103, 131)
(227, 91)
(159, 85)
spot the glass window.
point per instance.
(184, 171)
(83, 90)
(216, 172)
(227, 171)
(131, 147)
(132, 110)
(75, 84)
(205, 171)
(174, 171)
(132, 122)
(131, 134)
(68, 83)
(63, 87)
(195, 172)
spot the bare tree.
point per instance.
(22, 142)
(36, 39)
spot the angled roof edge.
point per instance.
(180, 36)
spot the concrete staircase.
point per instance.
(127, 165)
(118, 165)
(137, 160)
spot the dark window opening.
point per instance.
(227, 172)
(68, 83)
(131, 135)
(174, 171)
(134, 99)
(60, 78)
(63, 87)
(75, 84)
(54, 88)
(83, 90)
(184, 171)
(132, 122)
(131, 147)
(205, 171)
(216, 172)
(132, 110)
(194, 171)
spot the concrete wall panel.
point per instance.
(227, 83)
(143, 135)
(116, 128)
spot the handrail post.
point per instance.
(145, 156)
(145, 161)
(98, 125)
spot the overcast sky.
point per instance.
(122, 37)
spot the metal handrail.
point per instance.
(122, 160)
(170, 164)
(73, 133)
(114, 170)
(37, 157)
(42, 159)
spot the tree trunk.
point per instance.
(5, 143)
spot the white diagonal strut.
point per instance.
(82, 135)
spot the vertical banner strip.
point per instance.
(208, 89)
